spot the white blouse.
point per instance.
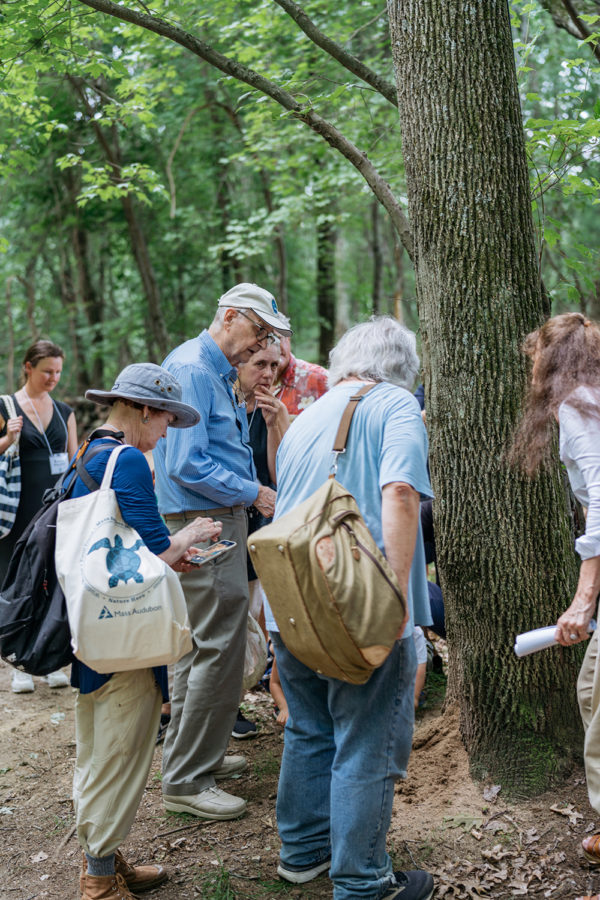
(580, 452)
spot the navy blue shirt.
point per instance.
(132, 483)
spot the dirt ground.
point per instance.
(475, 843)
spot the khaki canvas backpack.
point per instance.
(335, 598)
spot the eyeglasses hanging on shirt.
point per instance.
(58, 461)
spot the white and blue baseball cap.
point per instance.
(262, 302)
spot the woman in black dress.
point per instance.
(268, 420)
(47, 437)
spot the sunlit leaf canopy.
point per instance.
(113, 139)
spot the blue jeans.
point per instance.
(345, 746)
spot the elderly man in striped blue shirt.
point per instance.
(208, 470)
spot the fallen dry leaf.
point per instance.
(496, 853)
(491, 793)
(568, 811)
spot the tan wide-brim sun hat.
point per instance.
(150, 385)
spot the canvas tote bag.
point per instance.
(335, 598)
(10, 477)
(125, 605)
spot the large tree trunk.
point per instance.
(503, 542)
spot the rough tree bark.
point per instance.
(503, 542)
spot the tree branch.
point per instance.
(581, 26)
(305, 114)
(352, 63)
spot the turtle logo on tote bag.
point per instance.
(122, 562)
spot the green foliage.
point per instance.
(216, 885)
(99, 118)
(93, 111)
(562, 123)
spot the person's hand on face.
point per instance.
(272, 408)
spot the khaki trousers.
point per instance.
(207, 682)
(116, 729)
(588, 695)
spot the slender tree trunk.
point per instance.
(342, 317)
(10, 335)
(279, 231)
(592, 306)
(398, 310)
(78, 380)
(157, 338)
(326, 239)
(28, 282)
(91, 302)
(503, 542)
(377, 253)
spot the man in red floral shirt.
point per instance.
(298, 383)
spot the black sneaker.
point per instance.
(302, 874)
(413, 885)
(243, 727)
(165, 718)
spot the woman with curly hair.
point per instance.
(565, 388)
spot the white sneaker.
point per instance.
(56, 679)
(21, 683)
(231, 765)
(212, 803)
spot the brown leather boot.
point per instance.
(137, 878)
(104, 887)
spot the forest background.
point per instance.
(138, 185)
(140, 180)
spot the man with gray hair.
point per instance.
(211, 473)
(346, 744)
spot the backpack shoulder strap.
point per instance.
(85, 453)
(341, 438)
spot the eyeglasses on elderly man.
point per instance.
(262, 333)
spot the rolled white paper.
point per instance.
(539, 639)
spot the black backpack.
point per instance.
(34, 627)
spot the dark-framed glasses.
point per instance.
(262, 333)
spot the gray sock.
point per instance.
(101, 865)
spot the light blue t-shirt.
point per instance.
(387, 443)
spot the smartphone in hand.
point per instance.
(213, 552)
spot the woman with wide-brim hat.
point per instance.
(117, 715)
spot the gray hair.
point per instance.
(284, 320)
(378, 350)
